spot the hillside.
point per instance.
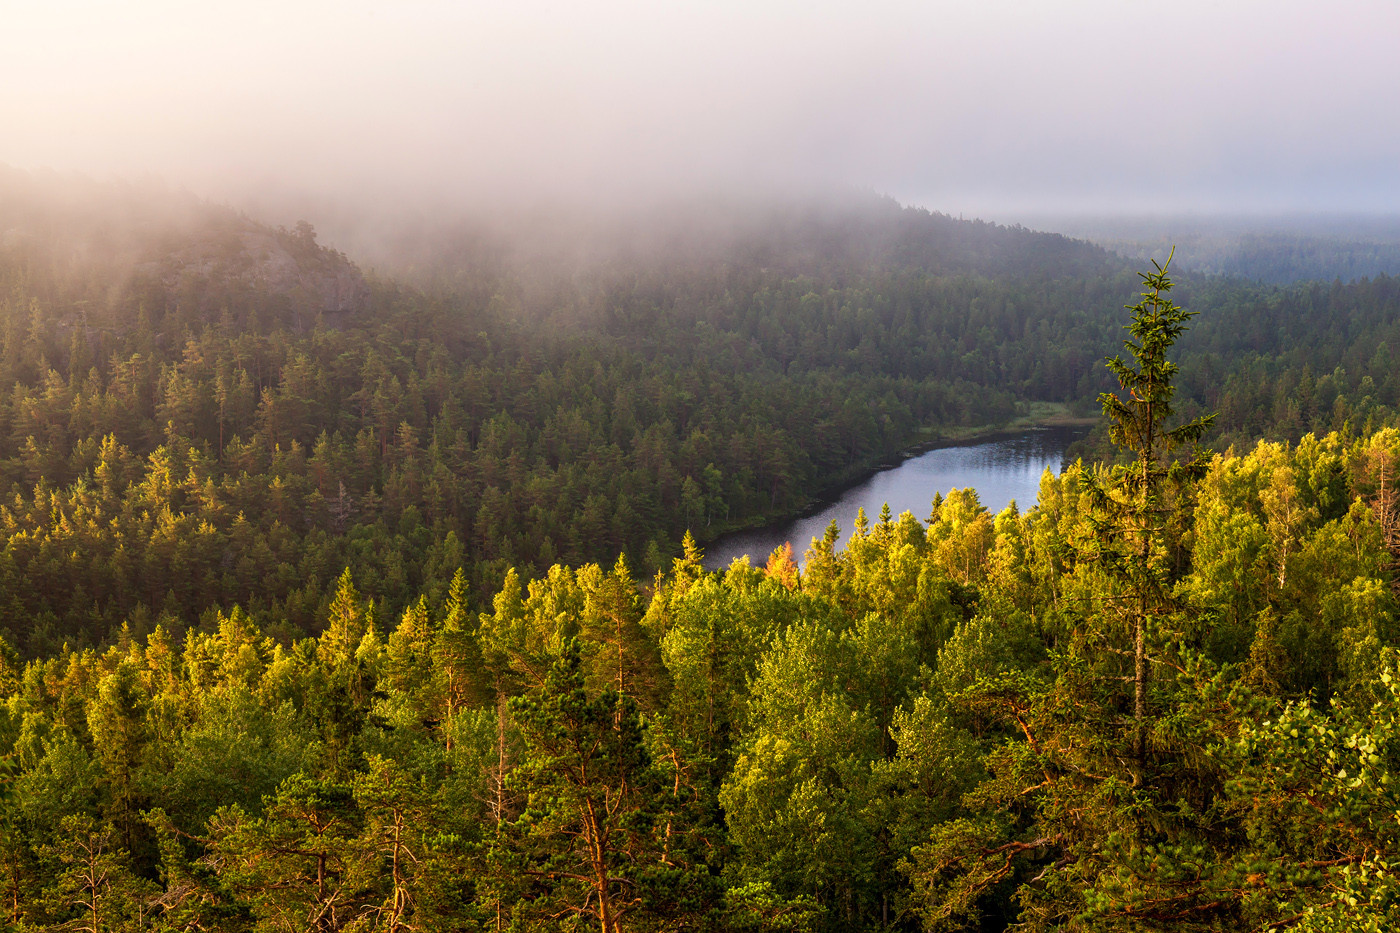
(830, 238)
(201, 411)
(96, 254)
(305, 608)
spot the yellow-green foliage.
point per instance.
(928, 726)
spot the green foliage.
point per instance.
(93, 886)
(911, 732)
(1317, 791)
(600, 837)
(394, 635)
(295, 866)
(236, 752)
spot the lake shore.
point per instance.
(1038, 415)
(1002, 463)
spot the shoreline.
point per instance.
(1041, 415)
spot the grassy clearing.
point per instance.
(1034, 414)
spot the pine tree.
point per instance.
(94, 889)
(295, 865)
(591, 844)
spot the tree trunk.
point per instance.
(1140, 689)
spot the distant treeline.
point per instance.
(1270, 250)
(1282, 259)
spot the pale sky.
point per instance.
(983, 107)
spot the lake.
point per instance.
(1002, 469)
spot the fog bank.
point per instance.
(986, 107)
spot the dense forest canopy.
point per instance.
(210, 387)
(205, 412)
(315, 619)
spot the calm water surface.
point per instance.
(1000, 470)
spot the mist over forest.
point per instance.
(375, 379)
(353, 571)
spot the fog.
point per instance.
(989, 107)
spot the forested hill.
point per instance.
(314, 617)
(202, 411)
(99, 256)
(869, 234)
(831, 239)
(184, 428)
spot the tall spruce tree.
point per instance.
(1137, 504)
(1098, 809)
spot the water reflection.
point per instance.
(1000, 470)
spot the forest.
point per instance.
(343, 601)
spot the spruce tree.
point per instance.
(1137, 504)
(1099, 809)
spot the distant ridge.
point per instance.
(1271, 249)
(99, 251)
(830, 237)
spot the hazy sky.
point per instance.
(989, 107)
